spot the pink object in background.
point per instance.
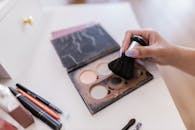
(10, 105)
(3, 73)
(67, 31)
(4, 125)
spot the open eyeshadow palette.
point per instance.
(85, 53)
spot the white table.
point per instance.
(151, 104)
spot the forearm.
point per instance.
(184, 59)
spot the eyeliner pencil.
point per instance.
(36, 96)
(129, 124)
(36, 111)
(39, 104)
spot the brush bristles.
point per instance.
(123, 67)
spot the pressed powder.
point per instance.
(88, 77)
(103, 69)
(99, 92)
(116, 82)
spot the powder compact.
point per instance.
(85, 54)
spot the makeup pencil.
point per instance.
(129, 124)
(36, 96)
(36, 111)
(42, 106)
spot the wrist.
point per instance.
(179, 55)
(174, 54)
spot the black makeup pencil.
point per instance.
(36, 111)
(129, 124)
(39, 98)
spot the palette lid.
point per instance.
(82, 47)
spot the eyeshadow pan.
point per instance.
(88, 77)
(103, 69)
(116, 83)
(98, 92)
(115, 80)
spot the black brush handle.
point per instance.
(139, 39)
(129, 124)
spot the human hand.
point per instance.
(159, 49)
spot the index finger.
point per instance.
(145, 33)
(127, 40)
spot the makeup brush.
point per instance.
(124, 65)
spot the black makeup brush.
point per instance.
(124, 65)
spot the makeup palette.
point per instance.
(99, 87)
(86, 54)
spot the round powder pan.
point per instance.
(103, 69)
(88, 77)
(98, 92)
(115, 82)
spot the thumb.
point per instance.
(140, 52)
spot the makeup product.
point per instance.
(85, 54)
(10, 105)
(36, 111)
(4, 125)
(39, 98)
(129, 124)
(124, 65)
(43, 107)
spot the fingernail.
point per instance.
(132, 53)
